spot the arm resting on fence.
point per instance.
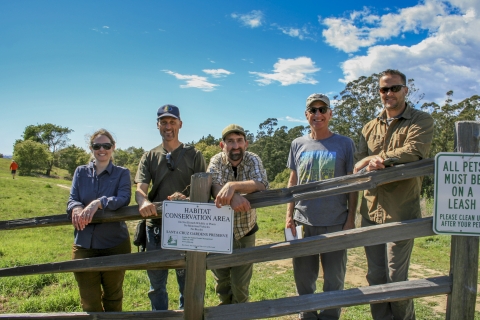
(344, 184)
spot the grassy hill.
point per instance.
(28, 196)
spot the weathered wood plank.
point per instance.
(122, 214)
(277, 251)
(164, 315)
(333, 299)
(464, 249)
(162, 259)
(325, 243)
(196, 270)
(344, 184)
(356, 182)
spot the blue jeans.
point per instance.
(158, 278)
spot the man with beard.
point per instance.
(236, 171)
(404, 133)
(169, 168)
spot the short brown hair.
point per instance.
(393, 72)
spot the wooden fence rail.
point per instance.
(261, 199)
(460, 287)
(277, 251)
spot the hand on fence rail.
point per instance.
(344, 184)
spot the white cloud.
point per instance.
(289, 71)
(106, 27)
(291, 119)
(363, 29)
(446, 59)
(300, 33)
(217, 73)
(193, 81)
(253, 19)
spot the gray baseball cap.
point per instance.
(317, 97)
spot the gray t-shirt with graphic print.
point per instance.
(316, 160)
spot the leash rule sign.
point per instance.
(196, 226)
(457, 189)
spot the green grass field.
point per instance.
(26, 196)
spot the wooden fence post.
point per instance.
(464, 249)
(196, 269)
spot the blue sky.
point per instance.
(91, 64)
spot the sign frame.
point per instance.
(195, 226)
(460, 221)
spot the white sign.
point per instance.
(457, 189)
(196, 226)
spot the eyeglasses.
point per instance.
(97, 146)
(394, 88)
(170, 163)
(322, 110)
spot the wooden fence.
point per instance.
(460, 284)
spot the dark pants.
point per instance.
(232, 283)
(387, 263)
(306, 269)
(91, 284)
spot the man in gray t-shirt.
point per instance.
(317, 156)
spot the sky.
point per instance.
(110, 64)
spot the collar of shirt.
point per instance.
(108, 169)
(407, 114)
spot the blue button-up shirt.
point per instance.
(113, 188)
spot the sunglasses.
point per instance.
(322, 110)
(395, 88)
(106, 146)
(170, 164)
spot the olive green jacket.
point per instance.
(408, 138)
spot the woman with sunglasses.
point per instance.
(96, 186)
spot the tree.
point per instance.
(208, 151)
(273, 145)
(208, 140)
(71, 157)
(444, 118)
(31, 156)
(129, 158)
(53, 136)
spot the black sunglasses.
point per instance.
(322, 110)
(170, 164)
(97, 146)
(394, 88)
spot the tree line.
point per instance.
(46, 145)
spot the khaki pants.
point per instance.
(91, 284)
(389, 263)
(232, 283)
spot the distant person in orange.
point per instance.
(13, 167)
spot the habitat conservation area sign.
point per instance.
(457, 189)
(196, 226)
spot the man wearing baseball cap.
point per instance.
(169, 167)
(320, 155)
(236, 171)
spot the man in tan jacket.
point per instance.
(404, 134)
